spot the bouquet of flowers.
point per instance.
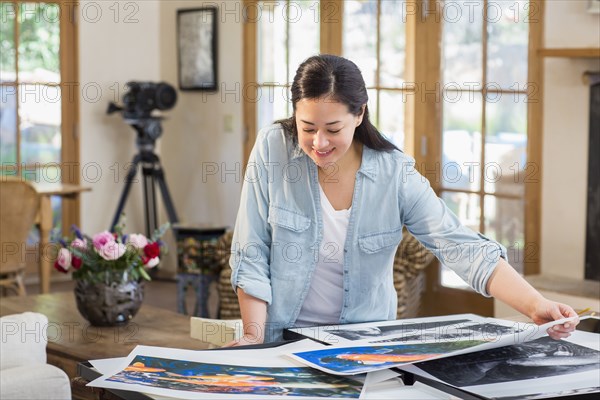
(109, 256)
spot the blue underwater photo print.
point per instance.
(233, 379)
(360, 359)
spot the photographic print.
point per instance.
(413, 329)
(360, 359)
(487, 331)
(233, 379)
(540, 358)
(197, 48)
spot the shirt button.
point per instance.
(345, 250)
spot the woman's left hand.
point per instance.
(547, 311)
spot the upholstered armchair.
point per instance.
(24, 373)
(409, 277)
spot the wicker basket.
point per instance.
(409, 277)
(229, 307)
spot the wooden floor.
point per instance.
(158, 293)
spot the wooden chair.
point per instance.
(19, 205)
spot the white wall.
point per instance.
(141, 45)
(565, 138)
(113, 49)
(195, 140)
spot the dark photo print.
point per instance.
(540, 358)
(401, 329)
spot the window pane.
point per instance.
(391, 119)
(8, 125)
(47, 175)
(504, 223)
(304, 32)
(39, 43)
(372, 104)
(40, 120)
(461, 141)
(392, 42)
(466, 206)
(462, 56)
(273, 105)
(508, 39)
(467, 209)
(7, 42)
(271, 46)
(506, 143)
(360, 36)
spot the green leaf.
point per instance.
(145, 274)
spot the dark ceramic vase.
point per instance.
(109, 303)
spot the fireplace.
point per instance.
(592, 245)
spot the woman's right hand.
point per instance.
(245, 341)
(254, 314)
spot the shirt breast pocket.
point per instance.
(377, 251)
(373, 243)
(288, 248)
(287, 219)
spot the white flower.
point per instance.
(137, 240)
(153, 262)
(64, 258)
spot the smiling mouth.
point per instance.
(324, 153)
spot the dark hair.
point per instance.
(339, 78)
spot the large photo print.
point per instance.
(234, 379)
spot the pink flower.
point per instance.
(64, 258)
(151, 263)
(112, 250)
(101, 239)
(137, 240)
(79, 244)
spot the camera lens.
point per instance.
(166, 96)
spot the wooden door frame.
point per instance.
(70, 151)
(426, 143)
(423, 132)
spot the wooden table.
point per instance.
(45, 191)
(72, 340)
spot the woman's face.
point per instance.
(325, 129)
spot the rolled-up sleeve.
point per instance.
(470, 254)
(250, 249)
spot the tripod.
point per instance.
(148, 130)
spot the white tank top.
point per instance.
(323, 303)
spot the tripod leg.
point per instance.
(167, 198)
(128, 181)
(164, 190)
(150, 200)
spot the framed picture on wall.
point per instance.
(197, 48)
(593, 6)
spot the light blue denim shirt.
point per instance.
(279, 229)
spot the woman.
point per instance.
(323, 204)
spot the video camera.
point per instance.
(144, 97)
(138, 104)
